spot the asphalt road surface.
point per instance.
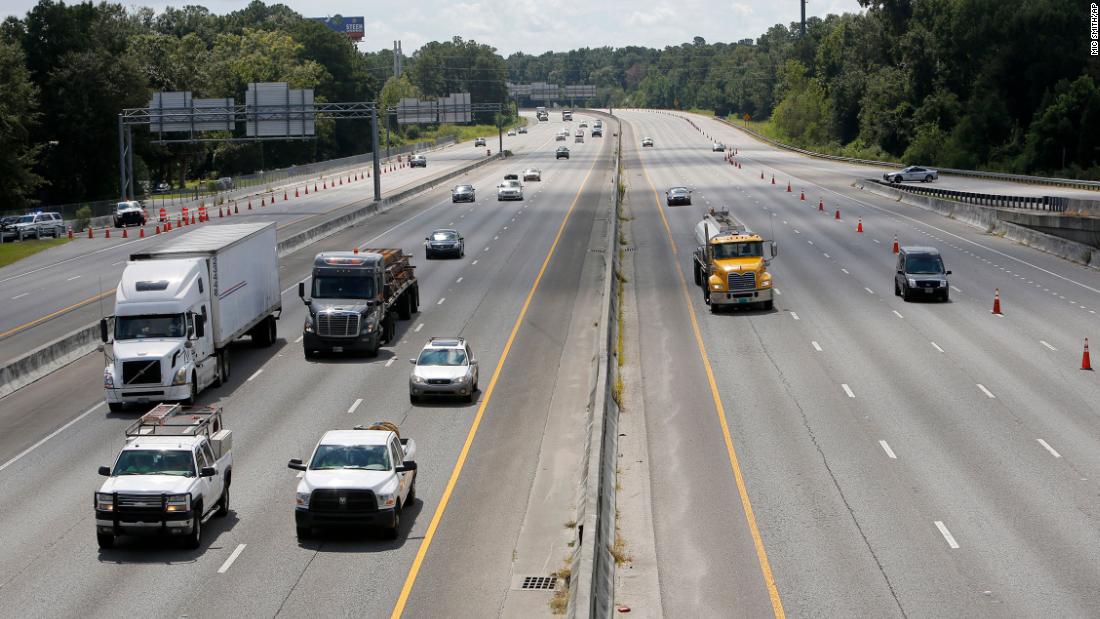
(512, 296)
(850, 454)
(57, 291)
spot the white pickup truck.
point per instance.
(355, 478)
(172, 474)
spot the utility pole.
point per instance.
(803, 4)
(397, 59)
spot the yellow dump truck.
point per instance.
(731, 262)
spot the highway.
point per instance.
(845, 454)
(850, 454)
(523, 296)
(55, 292)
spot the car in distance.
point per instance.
(355, 478)
(463, 193)
(531, 174)
(444, 242)
(523, 129)
(597, 131)
(479, 142)
(647, 142)
(912, 173)
(129, 213)
(7, 227)
(511, 133)
(562, 153)
(418, 161)
(39, 225)
(584, 124)
(446, 366)
(678, 195)
(162, 188)
(579, 138)
(561, 135)
(511, 176)
(509, 190)
(920, 274)
(717, 147)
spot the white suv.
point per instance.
(39, 225)
(446, 366)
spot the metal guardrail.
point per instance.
(1053, 204)
(243, 183)
(1002, 176)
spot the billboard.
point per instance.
(454, 108)
(176, 112)
(351, 26)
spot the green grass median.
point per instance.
(12, 252)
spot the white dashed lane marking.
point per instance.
(1049, 448)
(946, 534)
(886, 448)
(355, 404)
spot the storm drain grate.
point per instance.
(542, 583)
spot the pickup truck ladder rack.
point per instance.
(174, 420)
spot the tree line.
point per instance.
(1003, 85)
(67, 70)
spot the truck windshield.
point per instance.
(142, 327)
(925, 264)
(751, 249)
(342, 287)
(364, 457)
(155, 462)
(442, 356)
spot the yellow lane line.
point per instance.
(38, 321)
(742, 490)
(414, 570)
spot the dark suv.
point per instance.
(562, 153)
(920, 274)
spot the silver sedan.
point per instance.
(912, 173)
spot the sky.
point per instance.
(536, 26)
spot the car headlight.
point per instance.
(180, 378)
(105, 501)
(177, 503)
(460, 380)
(387, 500)
(943, 283)
(418, 380)
(108, 377)
(308, 327)
(368, 327)
(912, 283)
(765, 283)
(301, 499)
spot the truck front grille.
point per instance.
(337, 325)
(139, 503)
(742, 281)
(342, 501)
(439, 381)
(141, 372)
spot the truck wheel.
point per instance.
(404, 306)
(226, 369)
(223, 503)
(304, 533)
(194, 396)
(414, 299)
(310, 355)
(194, 539)
(395, 531)
(768, 305)
(106, 540)
(928, 179)
(897, 291)
(389, 327)
(412, 492)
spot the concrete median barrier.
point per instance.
(54, 355)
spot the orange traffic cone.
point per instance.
(820, 204)
(156, 230)
(70, 232)
(90, 234)
(107, 232)
(996, 300)
(192, 219)
(285, 198)
(141, 232)
(324, 185)
(355, 250)
(837, 215)
(761, 175)
(1086, 363)
(859, 228)
(220, 213)
(341, 181)
(296, 194)
(802, 195)
(895, 248)
(773, 179)
(125, 233)
(168, 226)
(788, 186)
(314, 187)
(236, 210)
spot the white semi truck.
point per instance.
(179, 307)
